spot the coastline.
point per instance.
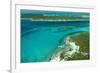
(71, 50)
(58, 20)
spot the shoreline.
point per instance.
(59, 20)
(71, 51)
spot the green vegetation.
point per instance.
(82, 40)
(81, 51)
(41, 16)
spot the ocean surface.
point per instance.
(40, 39)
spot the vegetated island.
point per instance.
(74, 47)
(41, 17)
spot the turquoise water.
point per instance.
(40, 39)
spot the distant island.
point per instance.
(41, 17)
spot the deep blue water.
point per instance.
(40, 39)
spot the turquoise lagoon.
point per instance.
(40, 39)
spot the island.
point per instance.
(75, 47)
(42, 17)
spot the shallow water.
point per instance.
(40, 39)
